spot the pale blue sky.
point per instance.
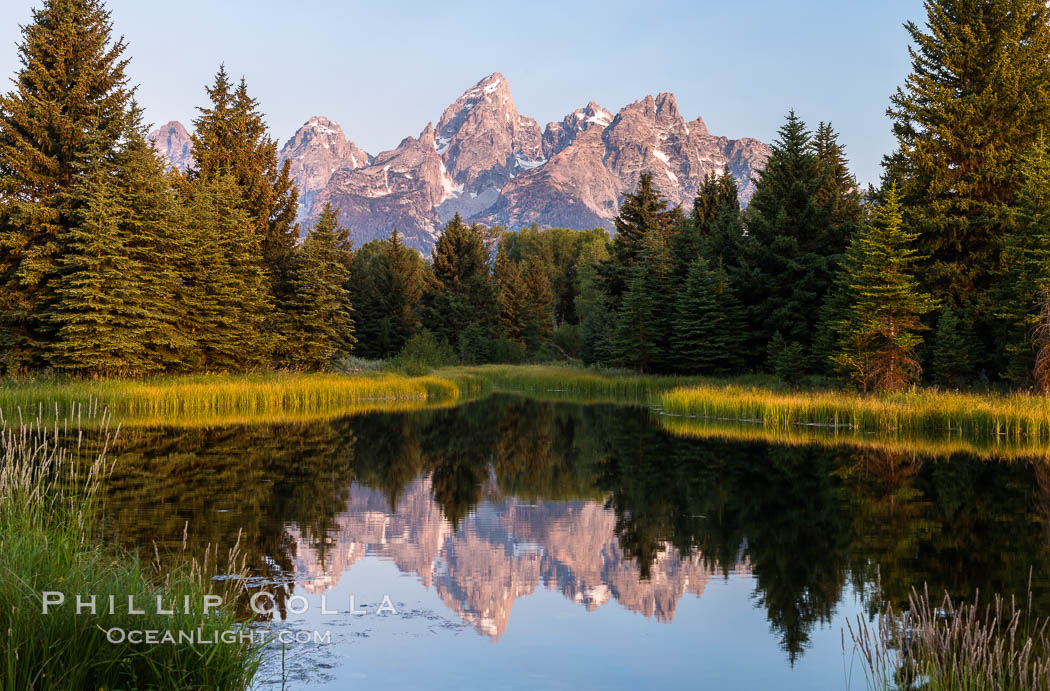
(384, 69)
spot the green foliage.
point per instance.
(322, 328)
(569, 340)
(642, 213)
(708, 327)
(422, 352)
(714, 230)
(224, 296)
(462, 291)
(787, 361)
(564, 254)
(525, 300)
(70, 109)
(794, 241)
(880, 333)
(977, 99)
(1026, 265)
(952, 360)
(387, 280)
(642, 339)
(230, 138)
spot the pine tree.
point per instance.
(1026, 265)
(404, 291)
(323, 328)
(642, 338)
(792, 247)
(641, 213)
(951, 358)
(881, 334)
(787, 361)
(70, 105)
(155, 241)
(97, 329)
(223, 295)
(539, 317)
(708, 326)
(511, 294)
(112, 304)
(976, 100)
(838, 191)
(714, 229)
(230, 138)
(462, 291)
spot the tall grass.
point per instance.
(931, 445)
(565, 382)
(951, 647)
(49, 541)
(224, 398)
(1021, 418)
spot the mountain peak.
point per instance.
(174, 144)
(482, 139)
(316, 150)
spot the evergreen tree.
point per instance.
(793, 246)
(462, 291)
(714, 229)
(708, 326)
(323, 328)
(539, 317)
(976, 100)
(155, 241)
(881, 333)
(69, 107)
(1026, 264)
(642, 338)
(387, 282)
(111, 310)
(787, 361)
(404, 290)
(230, 138)
(838, 191)
(98, 330)
(525, 299)
(511, 295)
(951, 358)
(223, 295)
(641, 213)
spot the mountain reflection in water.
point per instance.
(488, 501)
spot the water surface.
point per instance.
(537, 545)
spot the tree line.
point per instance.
(112, 265)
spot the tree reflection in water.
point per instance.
(612, 507)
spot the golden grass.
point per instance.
(808, 435)
(991, 420)
(572, 384)
(230, 399)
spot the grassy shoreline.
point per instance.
(229, 399)
(1018, 423)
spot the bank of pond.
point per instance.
(812, 512)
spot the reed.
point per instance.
(215, 399)
(576, 384)
(1018, 418)
(49, 541)
(929, 445)
(958, 647)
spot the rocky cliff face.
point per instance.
(315, 151)
(491, 164)
(173, 143)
